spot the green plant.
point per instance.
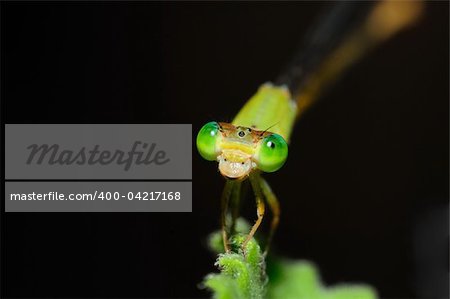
(243, 275)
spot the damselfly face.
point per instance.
(239, 150)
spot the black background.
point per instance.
(364, 193)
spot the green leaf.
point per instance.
(243, 275)
(301, 280)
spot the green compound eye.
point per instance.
(206, 141)
(272, 154)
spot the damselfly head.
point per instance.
(239, 150)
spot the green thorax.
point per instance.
(271, 109)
